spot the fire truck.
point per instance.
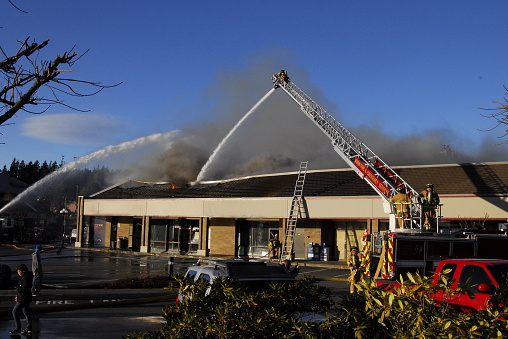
(399, 250)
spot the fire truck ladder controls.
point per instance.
(294, 213)
(383, 179)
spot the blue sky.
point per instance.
(403, 69)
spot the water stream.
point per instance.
(118, 154)
(104, 155)
(202, 174)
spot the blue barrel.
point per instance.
(310, 252)
(324, 253)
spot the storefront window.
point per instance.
(158, 235)
(174, 235)
(254, 237)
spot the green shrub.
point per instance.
(411, 312)
(230, 310)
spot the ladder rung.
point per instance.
(294, 211)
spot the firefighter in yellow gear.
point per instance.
(274, 247)
(429, 200)
(402, 205)
(355, 263)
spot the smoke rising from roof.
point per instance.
(277, 136)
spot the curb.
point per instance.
(334, 279)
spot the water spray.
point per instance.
(215, 153)
(102, 154)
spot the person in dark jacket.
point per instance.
(23, 299)
(37, 270)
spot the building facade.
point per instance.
(239, 217)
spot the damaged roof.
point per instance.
(482, 179)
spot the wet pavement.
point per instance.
(68, 308)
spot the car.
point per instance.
(478, 278)
(254, 273)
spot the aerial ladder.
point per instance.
(294, 213)
(370, 167)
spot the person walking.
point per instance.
(355, 263)
(429, 200)
(23, 299)
(37, 270)
(402, 204)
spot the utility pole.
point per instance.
(64, 212)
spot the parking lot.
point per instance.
(68, 309)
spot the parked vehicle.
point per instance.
(394, 254)
(253, 273)
(478, 278)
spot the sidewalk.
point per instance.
(339, 264)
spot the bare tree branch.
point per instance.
(25, 77)
(19, 9)
(500, 116)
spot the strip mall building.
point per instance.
(238, 217)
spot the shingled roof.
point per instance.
(483, 179)
(11, 185)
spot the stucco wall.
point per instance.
(371, 207)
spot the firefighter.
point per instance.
(284, 76)
(429, 200)
(401, 202)
(355, 263)
(274, 246)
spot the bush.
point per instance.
(230, 310)
(411, 312)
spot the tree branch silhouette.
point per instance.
(25, 78)
(500, 115)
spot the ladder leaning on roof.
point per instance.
(294, 213)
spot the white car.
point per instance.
(255, 273)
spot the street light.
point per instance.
(63, 212)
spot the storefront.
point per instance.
(254, 236)
(179, 236)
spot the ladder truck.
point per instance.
(398, 251)
(369, 166)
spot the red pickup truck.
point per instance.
(480, 277)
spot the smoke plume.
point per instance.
(277, 136)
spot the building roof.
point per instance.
(11, 185)
(482, 179)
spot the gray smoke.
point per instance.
(277, 136)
